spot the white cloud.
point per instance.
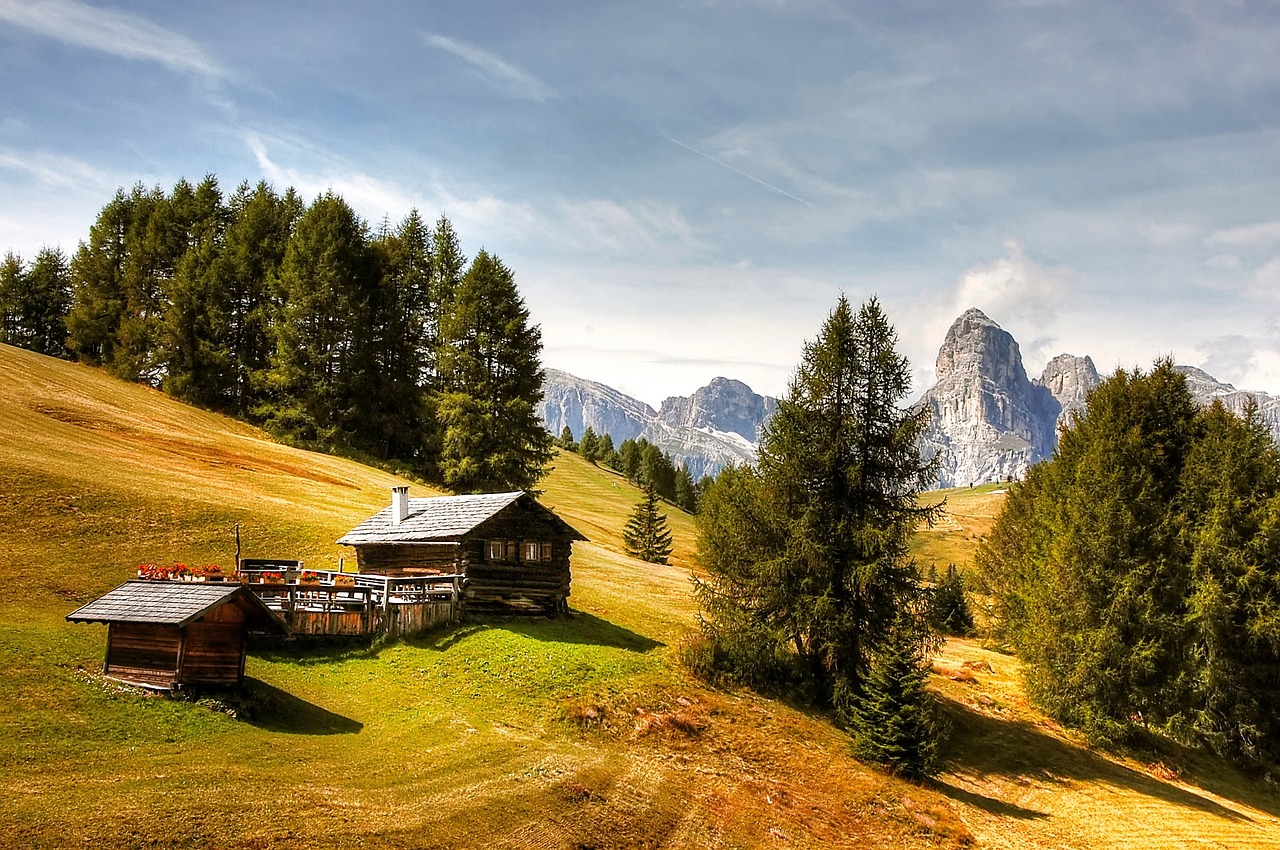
(1012, 287)
(494, 70)
(1167, 233)
(1263, 233)
(117, 33)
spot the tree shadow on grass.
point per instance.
(583, 628)
(579, 627)
(984, 746)
(274, 710)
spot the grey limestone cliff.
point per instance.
(988, 420)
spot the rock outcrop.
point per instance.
(1069, 379)
(1207, 389)
(988, 421)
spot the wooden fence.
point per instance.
(324, 602)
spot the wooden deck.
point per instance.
(370, 604)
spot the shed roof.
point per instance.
(174, 603)
(441, 519)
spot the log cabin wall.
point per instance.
(143, 653)
(406, 559)
(213, 648)
(518, 581)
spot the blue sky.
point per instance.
(683, 189)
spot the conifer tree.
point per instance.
(34, 302)
(257, 235)
(893, 720)
(811, 552)
(565, 441)
(12, 284)
(589, 445)
(490, 385)
(646, 535)
(949, 607)
(322, 369)
(686, 495)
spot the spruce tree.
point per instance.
(587, 446)
(893, 719)
(646, 535)
(490, 385)
(322, 374)
(12, 286)
(566, 441)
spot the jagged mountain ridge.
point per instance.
(718, 425)
(989, 421)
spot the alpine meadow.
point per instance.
(811, 650)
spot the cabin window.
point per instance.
(535, 550)
(500, 550)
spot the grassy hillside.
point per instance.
(579, 732)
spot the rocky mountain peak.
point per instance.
(988, 420)
(974, 343)
(1069, 379)
(722, 405)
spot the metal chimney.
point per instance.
(399, 504)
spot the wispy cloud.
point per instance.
(738, 171)
(494, 70)
(58, 171)
(117, 33)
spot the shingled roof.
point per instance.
(174, 603)
(439, 519)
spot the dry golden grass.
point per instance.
(968, 514)
(579, 732)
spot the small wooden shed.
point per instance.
(513, 552)
(171, 634)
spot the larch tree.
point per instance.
(807, 555)
(490, 384)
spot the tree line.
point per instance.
(640, 462)
(296, 316)
(1137, 573)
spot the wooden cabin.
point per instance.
(513, 552)
(170, 634)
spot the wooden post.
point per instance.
(237, 550)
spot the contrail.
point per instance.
(724, 164)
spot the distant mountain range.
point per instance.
(989, 421)
(717, 425)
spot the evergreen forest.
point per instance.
(391, 345)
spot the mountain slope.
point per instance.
(716, 426)
(526, 733)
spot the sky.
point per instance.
(684, 189)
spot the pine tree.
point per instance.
(587, 446)
(48, 286)
(322, 374)
(812, 549)
(490, 385)
(566, 440)
(893, 719)
(12, 286)
(646, 535)
(686, 492)
(257, 235)
(948, 606)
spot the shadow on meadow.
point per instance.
(274, 710)
(983, 747)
